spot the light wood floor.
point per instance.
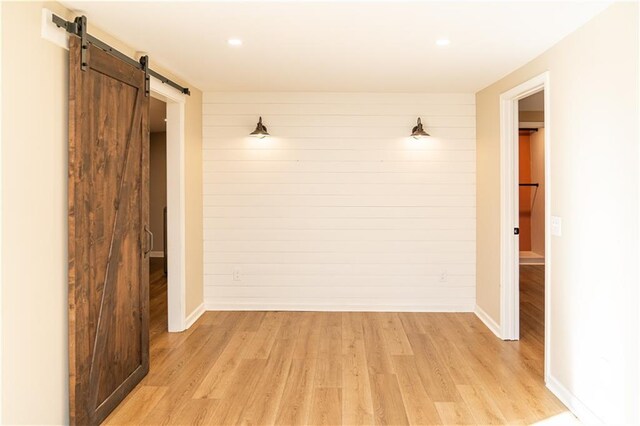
(260, 368)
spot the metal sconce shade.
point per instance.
(418, 132)
(260, 131)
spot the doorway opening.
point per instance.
(520, 210)
(174, 235)
(531, 219)
(158, 318)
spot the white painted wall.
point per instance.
(339, 209)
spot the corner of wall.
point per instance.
(194, 202)
(488, 321)
(577, 407)
(194, 315)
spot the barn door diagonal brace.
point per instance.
(79, 28)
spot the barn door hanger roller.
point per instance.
(79, 28)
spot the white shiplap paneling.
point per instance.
(339, 209)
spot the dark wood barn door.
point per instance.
(108, 238)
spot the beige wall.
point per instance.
(594, 188)
(193, 201)
(34, 220)
(157, 187)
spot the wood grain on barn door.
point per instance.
(108, 244)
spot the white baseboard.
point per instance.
(581, 411)
(488, 321)
(193, 316)
(156, 254)
(323, 307)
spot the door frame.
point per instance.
(176, 205)
(509, 210)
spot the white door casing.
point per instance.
(509, 210)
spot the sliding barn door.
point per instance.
(108, 241)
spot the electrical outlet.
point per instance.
(443, 277)
(236, 274)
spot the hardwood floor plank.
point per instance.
(221, 372)
(378, 360)
(326, 407)
(136, 407)
(308, 341)
(388, 406)
(503, 391)
(454, 413)
(263, 404)
(265, 337)
(183, 384)
(351, 368)
(394, 335)
(357, 407)
(253, 322)
(330, 341)
(419, 406)
(483, 408)
(290, 328)
(511, 363)
(329, 372)
(432, 371)
(237, 393)
(449, 355)
(216, 317)
(165, 340)
(352, 329)
(198, 412)
(410, 323)
(298, 391)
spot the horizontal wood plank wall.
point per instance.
(339, 209)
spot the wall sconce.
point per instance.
(260, 131)
(418, 132)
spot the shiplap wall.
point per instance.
(339, 209)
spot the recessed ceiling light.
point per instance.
(234, 42)
(443, 42)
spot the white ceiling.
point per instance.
(374, 46)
